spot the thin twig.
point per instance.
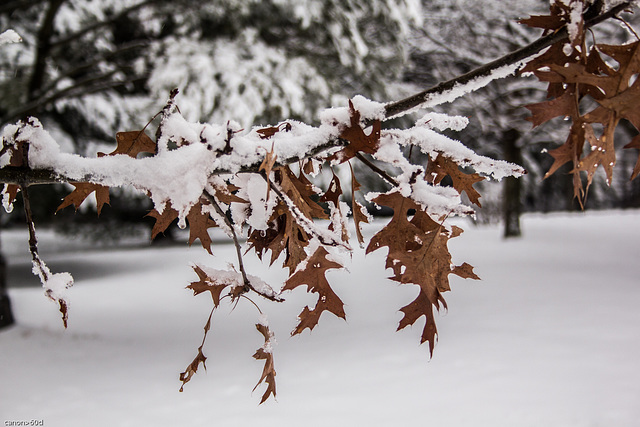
(377, 170)
(247, 283)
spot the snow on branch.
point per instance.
(260, 182)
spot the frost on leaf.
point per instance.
(207, 284)
(312, 275)
(418, 254)
(442, 166)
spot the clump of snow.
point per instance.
(442, 122)
(575, 20)
(234, 279)
(10, 36)
(6, 202)
(55, 285)
(433, 143)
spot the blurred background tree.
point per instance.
(88, 69)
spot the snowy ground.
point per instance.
(549, 337)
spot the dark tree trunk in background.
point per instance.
(512, 190)
(6, 315)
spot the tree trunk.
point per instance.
(512, 190)
(6, 315)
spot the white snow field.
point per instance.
(549, 337)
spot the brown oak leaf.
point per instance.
(82, 191)
(418, 254)
(11, 191)
(301, 192)
(163, 220)
(133, 143)
(226, 194)
(332, 197)
(268, 132)
(207, 284)
(443, 166)
(199, 224)
(419, 307)
(266, 166)
(313, 276)
(283, 235)
(269, 371)
(191, 370)
(358, 140)
(359, 215)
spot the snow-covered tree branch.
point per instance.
(263, 181)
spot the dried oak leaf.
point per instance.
(191, 370)
(163, 220)
(207, 284)
(199, 224)
(283, 235)
(11, 192)
(269, 371)
(268, 132)
(133, 143)
(561, 13)
(334, 191)
(359, 215)
(17, 153)
(313, 276)
(563, 106)
(332, 196)
(266, 166)
(418, 254)
(442, 166)
(301, 192)
(82, 191)
(602, 153)
(358, 140)
(227, 196)
(419, 307)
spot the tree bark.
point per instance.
(6, 314)
(44, 46)
(512, 190)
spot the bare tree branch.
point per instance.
(44, 47)
(99, 24)
(18, 5)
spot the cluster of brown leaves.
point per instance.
(595, 95)
(418, 254)
(417, 244)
